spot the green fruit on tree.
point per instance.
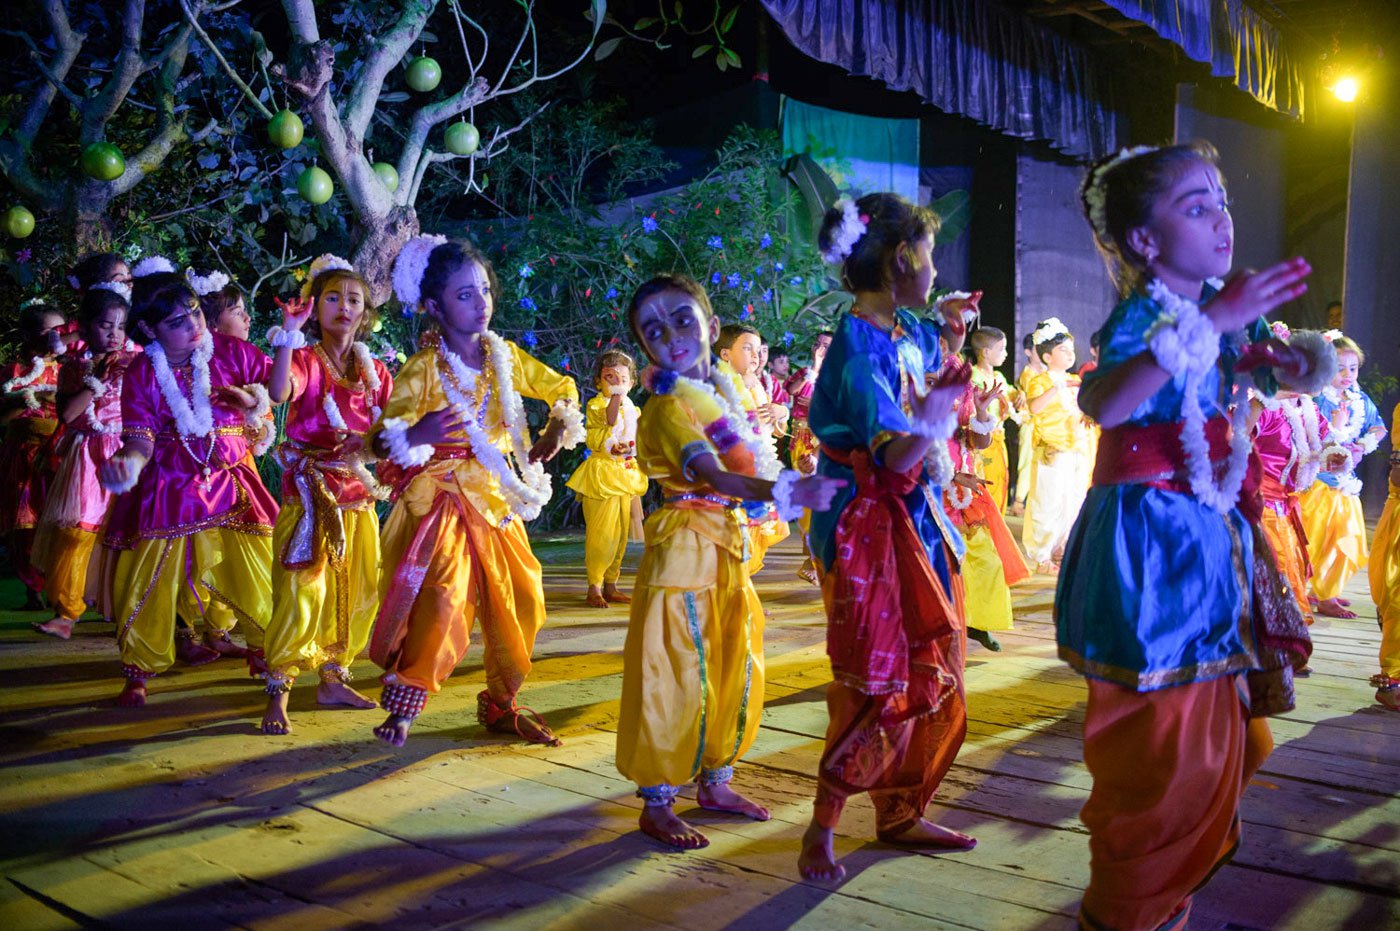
(103, 161)
(315, 186)
(462, 138)
(424, 74)
(387, 175)
(286, 130)
(19, 222)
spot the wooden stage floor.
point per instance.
(181, 815)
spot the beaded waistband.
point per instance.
(700, 500)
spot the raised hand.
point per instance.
(983, 397)
(436, 427)
(295, 312)
(933, 407)
(549, 443)
(815, 492)
(1249, 295)
(1275, 353)
(958, 312)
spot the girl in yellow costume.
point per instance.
(455, 551)
(692, 675)
(325, 577)
(191, 523)
(1383, 571)
(1332, 518)
(1025, 432)
(608, 481)
(1060, 474)
(989, 351)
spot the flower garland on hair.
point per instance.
(1048, 330)
(1095, 196)
(153, 265)
(410, 266)
(847, 233)
(206, 284)
(24, 383)
(326, 262)
(1178, 341)
(116, 287)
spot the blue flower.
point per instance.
(526, 271)
(778, 267)
(748, 285)
(795, 280)
(587, 452)
(649, 224)
(406, 312)
(758, 272)
(788, 337)
(715, 242)
(528, 303)
(765, 242)
(612, 293)
(745, 313)
(564, 363)
(530, 339)
(734, 280)
(767, 295)
(716, 278)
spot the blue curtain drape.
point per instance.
(969, 57)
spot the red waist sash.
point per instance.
(1152, 454)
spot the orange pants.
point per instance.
(64, 554)
(1291, 551)
(1169, 768)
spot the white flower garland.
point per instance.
(206, 284)
(279, 338)
(1178, 332)
(1303, 461)
(369, 380)
(847, 233)
(257, 419)
(759, 441)
(193, 417)
(1048, 330)
(624, 429)
(401, 452)
(121, 288)
(1094, 195)
(571, 418)
(153, 265)
(410, 266)
(783, 487)
(1355, 404)
(22, 383)
(99, 391)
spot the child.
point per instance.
(1157, 605)
(325, 579)
(740, 347)
(802, 451)
(692, 676)
(30, 415)
(455, 550)
(895, 625)
(988, 352)
(1060, 464)
(90, 402)
(1025, 433)
(608, 481)
(1332, 518)
(1383, 572)
(774, 370)
(223, 303)
(101, 268)
(191, 523)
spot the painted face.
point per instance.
(179, 333)
(235, 321)
(1192, 231)
(743, 355)
(1348, 365)
(912, 288)
(341, 308)
(615, 375)
(466, 304)
(819, 350)
(676, 332)
(995, 354)
(108, 332)
(1061, 358)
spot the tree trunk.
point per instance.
(378, 243)
(88, 208)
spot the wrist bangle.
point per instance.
(401, 452)
(782, 495)
(279, 338)
(570, 418)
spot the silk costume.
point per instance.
(606, 483)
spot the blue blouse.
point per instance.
(1372, 419)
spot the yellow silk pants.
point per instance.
(692, 665)
(606, 523)
(762, 538)
(157, 579)
(1384, 573)
(323, 613)
(1336, 530)
(984, 581)
(996, 470)
(63, 555)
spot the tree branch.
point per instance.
(384, 54)
(56, 82)
(170, 127)
(301, 17)
(67, 44)
(127, 68)
(238, 82)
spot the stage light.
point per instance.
(1346, 89)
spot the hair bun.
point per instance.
(410, 265)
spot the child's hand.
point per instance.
(1291, 363)
(807, 464)
(982, 398)
(1250, 295)
(815, 492)
(118, 470)
(967, 480)
(549, 443)
(234, 397)
(1337, 462)
(436, 427)
(296, 312)
(932, 407)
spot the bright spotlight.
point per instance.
(1346, 89)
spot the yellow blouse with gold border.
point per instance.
(606, 473)
(1059, 425)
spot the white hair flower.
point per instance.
(206, 284)
(152, 265)
(116, 287)
(410, 266)
(323, 263)
(1094, 194)
(846, 234)
(1048, 330)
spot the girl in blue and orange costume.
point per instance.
(692, 673)
(89, 404)
(1169, 595)
(29, 411)
(883, 411)
(1332, 517)
(325, 579)
(609, 481)
(191, 523)
(455, 551)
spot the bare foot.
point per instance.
(615, 595)
(335, 692)
(660, 822)
(394, 730)
(133, 694)
(1344, 602)
(1017, 509)
(275, 720)
(1333, 607)
(1389, 698)
(60, 627)
(595, 597)
(817, 861)
(808, 572)
(224, 646)
(1047, 568)
(985, 638)
(192, 653)
(723, 798)
(924, 833)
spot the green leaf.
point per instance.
(722, 61)
(816, 190)
(600, 13)
(426, 36)
(701, 51)
(607, 48)
(728, 22)
(646, 22)
(954, 209)
(393, 97)
(733, 57)
(678, 10)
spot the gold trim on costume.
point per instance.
(1139, 681)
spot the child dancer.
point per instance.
(988, 352)
(29, 411)
(740, 348)
(455, 548)
(802, 451)
(895, 627)
(325, 579)
(608, 481)
(692, 679)
(90, 402)
(1025, 432)
(1157, 605)
(1383, 573)
(101, 268)
(1332, 518)
(223, 304)
(1060, 470)
(191, 523)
